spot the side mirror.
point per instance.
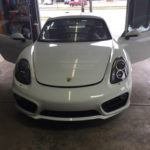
(133, 33)
(18, 36)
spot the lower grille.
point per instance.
(115, 103)
(69, 114)
(25, 104)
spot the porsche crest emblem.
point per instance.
(69, 79)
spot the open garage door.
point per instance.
(136, 38)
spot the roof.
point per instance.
(77, 15)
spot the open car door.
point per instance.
(136, 38)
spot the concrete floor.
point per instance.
(127, 131)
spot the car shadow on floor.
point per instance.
(60, 125)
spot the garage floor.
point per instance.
(127, 131)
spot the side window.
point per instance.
(102, 30)
(15, 31)
(139, 17)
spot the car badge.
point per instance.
(69, 79)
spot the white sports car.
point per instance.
(74, 71)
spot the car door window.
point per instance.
(139, 17)
(136, 38)
(14, 18)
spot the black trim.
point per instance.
(71, 86)
(69, 114)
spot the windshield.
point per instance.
(75, 30)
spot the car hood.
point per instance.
(71, 64)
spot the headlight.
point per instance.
(119, 71)
(22, 71)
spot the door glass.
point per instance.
(136, 38)
(139, 17)
(15, 33)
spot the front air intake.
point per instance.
(115, 103)
(69, 114)
(25, 104)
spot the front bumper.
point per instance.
(71, 100)
(31, 110)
